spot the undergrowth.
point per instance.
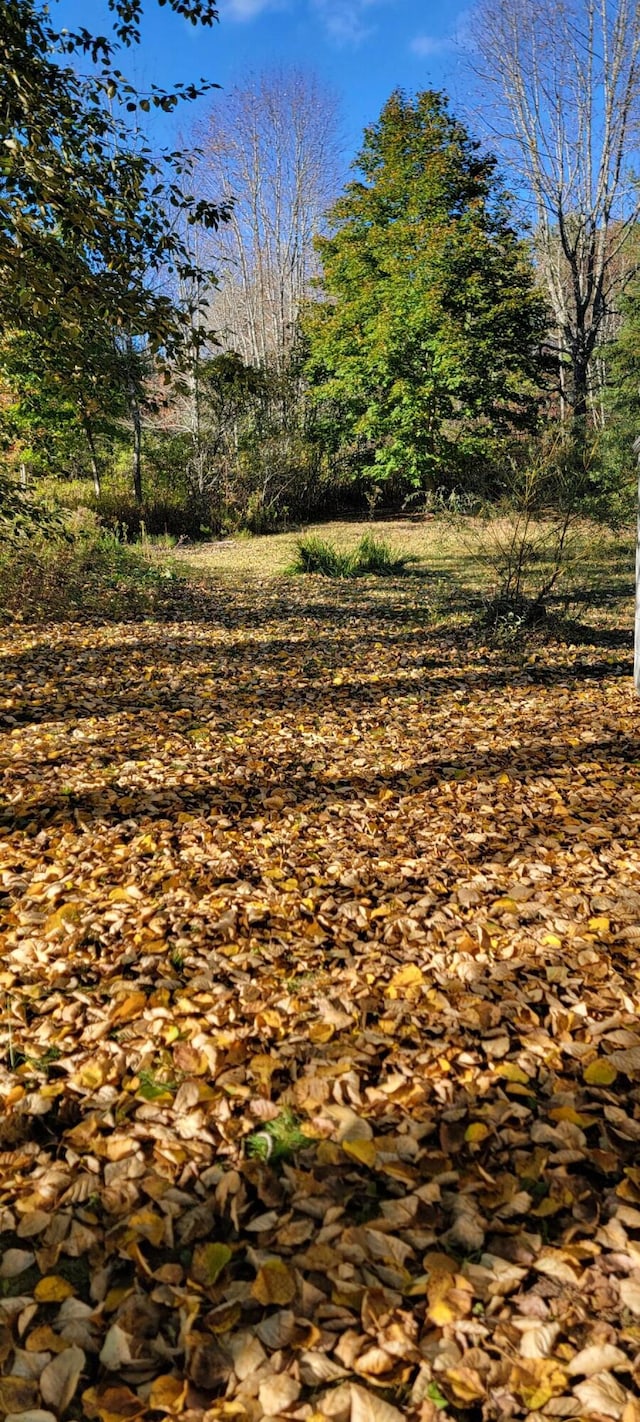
(78, 569)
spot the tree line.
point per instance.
(229, 335)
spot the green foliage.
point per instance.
(615, 490)
(425, 342)
(370, 556)
(278, 1139)
(88, 229)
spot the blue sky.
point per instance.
(363, 49)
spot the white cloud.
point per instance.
(426, 45)
(458, 37)
(346, 21)
(246, 9)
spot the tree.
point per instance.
(269, 149)
(565, 77)
(89, 242)
(424, 344)
(52, 411)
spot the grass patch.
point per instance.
(278, 1139)
(370, 556)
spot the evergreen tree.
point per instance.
(425, 345)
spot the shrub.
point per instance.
(370, 556)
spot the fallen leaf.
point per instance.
(53, 1289)
(598, 1358)
(601, 1395)
(601, 1072)
(60, 1378)
(274, 1283)
(278, 1393)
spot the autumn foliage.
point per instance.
(320, 1047)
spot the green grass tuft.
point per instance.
(370, 556)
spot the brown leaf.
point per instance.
(370, 1407)
(630, 1293)
(278, 1393)
(61, 1376)
(112, 1404)
(601, 1395)
(274, 1283)
(599, 1358)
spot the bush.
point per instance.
(527, 535)
(370, 556)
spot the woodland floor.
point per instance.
(320, 989)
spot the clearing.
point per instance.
(320, 1040)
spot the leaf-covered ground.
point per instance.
(320, 1041)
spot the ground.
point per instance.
(321, 1053)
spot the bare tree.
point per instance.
(271, 147)
(564, 76)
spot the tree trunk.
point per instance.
(580, 389)
(137, 451)
(93, 458)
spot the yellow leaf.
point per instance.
(128, 1007)
(321, 1032)
(551, 1205)
(274, 1283)
(147, 844)
(92, 1074)
(551, 940)
(477, 1132)
(465, 1384)
(537, 1381)
(53, 1289)
(504, 905)
(263, 1067)
(450, 1299)
(599, 925)
(271, 1018)
(407, 982)
(168, 1394)
(64, 917)
(363, 1151)
(149, 1225)
(124, 894)
(569, 1113)
(600, 1072)
(512, 1072)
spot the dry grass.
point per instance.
(456, 557)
